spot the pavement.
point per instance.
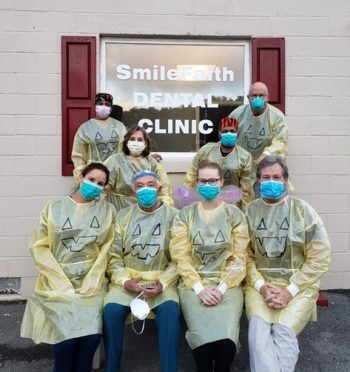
(324, 345)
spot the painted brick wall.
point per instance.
(317, 105)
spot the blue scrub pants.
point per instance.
(76, 354)
(168, 324)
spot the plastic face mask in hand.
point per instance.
(228, 139)
(136, 147)
(272, 189)
(257, 103)
(103, 111)
(147, 196)
(208, 192)
(90, 190)
(139, 308)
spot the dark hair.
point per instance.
(207, 163)
(272, 160)
(129, 133)
(95, 165)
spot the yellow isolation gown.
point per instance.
(142, 249)
(70, 245)
(289, 244)
(206, 245)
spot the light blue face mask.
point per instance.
(208, 192)
(90, 190)
(147, 196)
(257, 103)
(272, 189)
(228, 139)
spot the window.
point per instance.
(178, 90)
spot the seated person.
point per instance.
(140, 263)
(288, 253)
(209, 241)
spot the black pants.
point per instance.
(76, 354)
(217, 356)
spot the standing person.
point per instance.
(262, 127)
(135, 156)
(209, 240)
(235, 162)
(69, 247)
(98, 138)
(288, 254)
(140, 265)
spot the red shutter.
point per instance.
(268, 66)
(78, 90)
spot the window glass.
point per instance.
(177, 90)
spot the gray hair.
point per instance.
(270, 160)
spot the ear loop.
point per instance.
(134, 320)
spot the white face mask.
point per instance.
(139, 308)
(136, 147)
(102, 111)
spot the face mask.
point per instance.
(257, 103)
(147, 196)
(208, 192)
(139, 308)
(228, 139)
(136, 147)
(102, 111)
(272, 189)
(89, 190)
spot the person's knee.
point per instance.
(170, 309)
(113, 313)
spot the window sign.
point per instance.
(177, 90)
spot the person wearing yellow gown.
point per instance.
(209, 241)
(288, 253)
(98, 138)
(140, 265)
(236, 163)
(134, 157)
(69, 247)
(262, 127)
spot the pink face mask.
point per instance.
(102, 111)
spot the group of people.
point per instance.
(117, 246)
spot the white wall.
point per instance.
(317, 100)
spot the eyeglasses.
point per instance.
(211, 181)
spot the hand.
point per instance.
(158, 288)
(282, 299)
(261, 157)
(157, 157)
(209, 297)
(132, 285)
(269, 292)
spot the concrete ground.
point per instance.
(324, 346)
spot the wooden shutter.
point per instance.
(78, 90)
(268, 66)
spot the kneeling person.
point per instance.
(140, 264)
(288, 254)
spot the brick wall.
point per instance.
(317, 101)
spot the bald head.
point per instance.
(258, 87)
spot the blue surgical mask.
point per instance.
(208, 192)
(228, 139)
(272, 189)
(90, 190)
(147, 196)
(257, 103)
